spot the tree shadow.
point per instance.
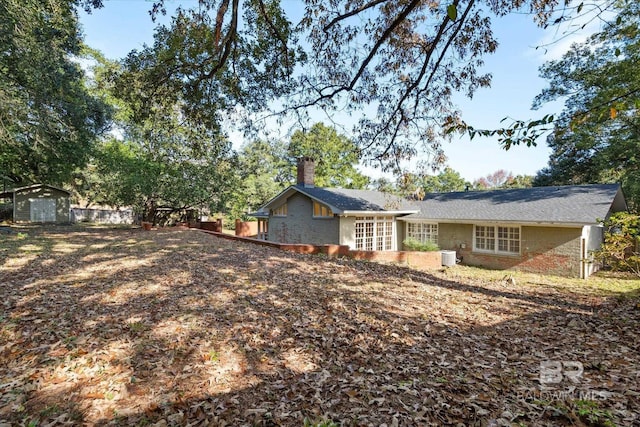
(210, 331)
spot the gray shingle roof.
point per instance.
(571, 204)
(358, 200)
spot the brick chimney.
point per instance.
(306, 170)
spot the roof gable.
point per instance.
(347, 201)
(577, 204)
(10, 193)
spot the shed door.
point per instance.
(42, 210)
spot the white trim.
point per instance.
(495, 250)
(30, 187)
(499, 222)
(374, 222)
(375, 213)
(406, 230)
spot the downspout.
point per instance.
(583, 258)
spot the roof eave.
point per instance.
(271, 202)
(28, 187)
(382, 212)
(259, 214)
(501, 221)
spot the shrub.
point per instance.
(621, 251)
(6, 211)
(416, 245)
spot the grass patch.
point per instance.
(602, 283)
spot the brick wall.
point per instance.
(300, 226)
(211, 225)
(246, 228)
(420, 260)
(547, 250)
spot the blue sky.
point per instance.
(123, 25)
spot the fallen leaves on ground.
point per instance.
(126, 327)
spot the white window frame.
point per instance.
(422, 231)
(280, 211)
(495, 234)
(374, 233)
(324, 210)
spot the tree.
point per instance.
(394, 63)
(520, 181)
(263, 172)
(503, 179)
(597, 136)
(335, 155)
(164, 161)
(446, 181)
(220, 65)
(417, 184)
(497, 179)
(621, 248)
(382, 184)
(48, 120)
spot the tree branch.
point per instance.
(276, 32)
(351, 13)
(228, 42)
(423, 70)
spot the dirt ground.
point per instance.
(131, 327)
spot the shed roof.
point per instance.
(10, 193)
(569, 204)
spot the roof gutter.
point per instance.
(499, 221)
(379, 213)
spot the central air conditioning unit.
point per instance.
(448, 258)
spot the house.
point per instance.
(542, 229)
(39, 203)
(360, 219)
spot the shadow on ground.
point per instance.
(126, 327)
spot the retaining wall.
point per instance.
(419, 260)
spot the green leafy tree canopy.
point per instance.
(393, 65)
(596, 139)
(48, 119)
(335, 155)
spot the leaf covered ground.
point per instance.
(127, 327)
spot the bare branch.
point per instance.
(351, 13)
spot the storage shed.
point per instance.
(39, 203)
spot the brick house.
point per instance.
(360, 219)
(542, 229)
